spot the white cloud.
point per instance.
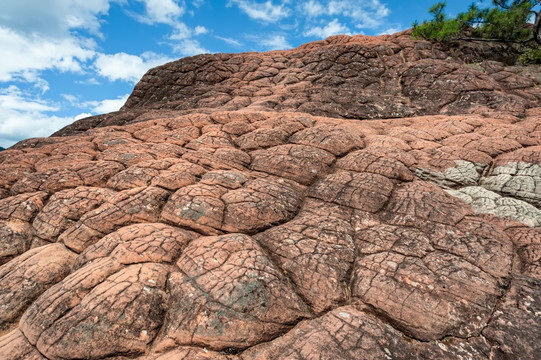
(390, 31)
(82, 116)
(24, 118)
(45, 38)
(190, 47)
(332, 28)
(366, 13)
(313, 8)
(12, 98)
(181, 32)
(126, 67)
(108, 105)
(275, 42)
(200, 30)
(53, 17)
(35, 37)
(229, 41)
(38, 36)
(70, 98)
(184, 44)
(169, 12)
(95, 107)
(266, 11)
(88, 81)
(42, 85)
(161, 11)
(24, 56)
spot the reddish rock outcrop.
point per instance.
(218, 216)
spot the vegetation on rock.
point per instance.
(507, 21)
(531, 56)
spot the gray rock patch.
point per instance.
(484, 201)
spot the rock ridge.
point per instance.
(358, 77)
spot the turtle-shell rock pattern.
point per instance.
(252, 227)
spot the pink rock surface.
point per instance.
(15, 238)
(15, 346)
(219, 216)
(24, 278)
(227, 293)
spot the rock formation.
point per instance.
(354, 198)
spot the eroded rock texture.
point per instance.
(219, 216)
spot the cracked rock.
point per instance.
(24, 278)
(487, 202)
(233, 201)
(65, 208)
(124, 208)
(353, 198)
(227, 293)
(100, 310)
(515, 321)
(344, 332)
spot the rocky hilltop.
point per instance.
(354, 198)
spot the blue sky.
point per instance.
(62, 60)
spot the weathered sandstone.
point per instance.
(354, 198)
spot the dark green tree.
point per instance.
(506, 21)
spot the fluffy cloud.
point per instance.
(44, 39)
(275, 42)
(72, 99)
(13, 98)
(313, 8)
(96, 107)
(35, 37)
(108, 105)
(266, 11)
(169, 12)
(82, 116)
(53, 18)
(189, 47)
(24, 56)
(24, 118)
(62, 36)
(161, 11)
(126, 67)
(183, 32)
(184, 44)
(332, 28)
(367, 13)
(200, 30)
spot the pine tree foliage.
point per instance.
(506, 21)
